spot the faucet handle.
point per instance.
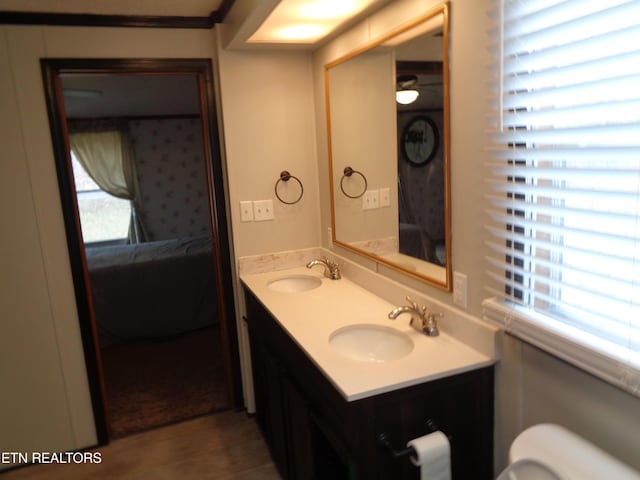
(431, 324)
(413, 304)
(421, 310)
(334, 268)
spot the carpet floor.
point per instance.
(157, 382)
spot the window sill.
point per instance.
(607, 362)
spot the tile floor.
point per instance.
(225, 446)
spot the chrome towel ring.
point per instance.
(285, 177)
(348, 171)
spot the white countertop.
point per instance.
(311, 316)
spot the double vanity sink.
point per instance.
(333, 373)
(345, 330)
(362, 342)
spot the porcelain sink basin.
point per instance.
(295, 283)
(371, 343)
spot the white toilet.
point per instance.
(551, 452)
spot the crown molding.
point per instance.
(98, 20)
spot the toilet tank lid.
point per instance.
(571, 456)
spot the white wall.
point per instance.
(34, 352)
(531, 386)
(267, 114)
(45, 403)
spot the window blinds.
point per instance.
(564, 182)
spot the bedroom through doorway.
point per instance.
(141, 160)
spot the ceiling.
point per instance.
(245, 17)
(103, 96)
(140, 94)
(180, 8)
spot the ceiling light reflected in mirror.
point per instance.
(406, 97)
(406, 94)
(306, 21)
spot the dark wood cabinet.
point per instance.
(314, 433)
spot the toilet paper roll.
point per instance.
(433, 456)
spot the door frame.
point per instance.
(202, 68)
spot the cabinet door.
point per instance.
(460, 406)
(267, 386)
(298, 428)
(275, 431)
(259, 382)
(330, 458)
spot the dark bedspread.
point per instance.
(152, 289)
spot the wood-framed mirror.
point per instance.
(396, 208)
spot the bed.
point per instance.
(152, 289)
(415, 242)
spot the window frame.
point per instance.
(96, 193)
(543, 320)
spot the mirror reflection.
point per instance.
(389, 149)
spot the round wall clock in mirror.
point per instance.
(420, 141)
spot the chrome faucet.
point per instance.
(425, 322)
(331, 269)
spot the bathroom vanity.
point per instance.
(322, 412)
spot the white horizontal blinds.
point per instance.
(564, 211)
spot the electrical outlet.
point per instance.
(246, 211)
(385, 197)
(460, 289)
(371, 199)
(262, 210)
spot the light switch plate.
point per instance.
(371, 199)
(262, 210)
(246, 211)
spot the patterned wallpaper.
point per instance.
(172, 177)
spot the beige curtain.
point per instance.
(108, 158)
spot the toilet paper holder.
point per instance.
(385, 443)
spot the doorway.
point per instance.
(154, 294)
